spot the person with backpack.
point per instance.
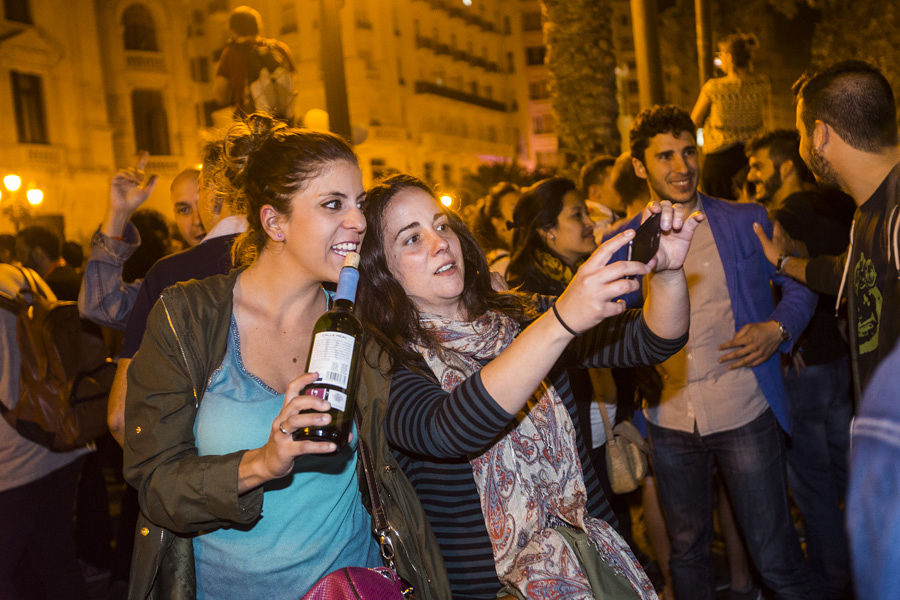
(254, 74)
(37, 485)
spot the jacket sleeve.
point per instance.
(823, 273)
(177, 488)
(104, 298)
(798, 302)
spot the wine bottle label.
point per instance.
(331, 357)
(337, 400)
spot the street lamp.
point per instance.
(13, 205)
(12, 182)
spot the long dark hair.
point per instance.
(538, 209)
(489, 208)
(383, 304)
(265, 161)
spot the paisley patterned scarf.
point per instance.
(531, 480)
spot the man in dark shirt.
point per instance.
(846, 116)
(39, 248)
(818, 382)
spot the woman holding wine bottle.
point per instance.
(480, 405)
(234, 505)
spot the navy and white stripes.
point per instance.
(433, 434)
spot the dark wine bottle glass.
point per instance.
(334, 355)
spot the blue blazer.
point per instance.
(749, 275)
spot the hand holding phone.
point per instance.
(645, 243)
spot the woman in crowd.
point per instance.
(480, 410)
(731, 110)
(215, 391)
(492, 224)
(553, 233)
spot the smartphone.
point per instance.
(645, 243)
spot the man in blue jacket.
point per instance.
(723, 398)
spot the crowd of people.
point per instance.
(494, 347)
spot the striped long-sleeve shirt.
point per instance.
(433, 434)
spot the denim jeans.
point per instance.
(821, 408)
(751, 462)
(36, 526)
(873, 500)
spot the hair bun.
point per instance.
(243, 139)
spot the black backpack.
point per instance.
(66, 373)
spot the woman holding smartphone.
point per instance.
(480, 407)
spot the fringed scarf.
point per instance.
(531, 480)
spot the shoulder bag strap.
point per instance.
(378, 516)
(31, 282)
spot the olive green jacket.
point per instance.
(182, 493)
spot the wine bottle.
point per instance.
(334, 355)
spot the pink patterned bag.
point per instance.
(358, 583)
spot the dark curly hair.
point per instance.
(650, 122)
(265, 161)
(390, 315)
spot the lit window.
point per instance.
(534, 55)
(17, 10)
(28, 97)
(288, 18)
(531, 21)
(140, 32)
(200, 69)
(151, 126)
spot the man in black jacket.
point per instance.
(847, 119)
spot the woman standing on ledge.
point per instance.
(731, 110)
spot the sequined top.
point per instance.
(735, 110)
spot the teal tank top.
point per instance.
(313, 521)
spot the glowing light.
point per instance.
(34, 196)
(12, 182)
(467, 2)
(446, 200)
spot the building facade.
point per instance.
(434, 87)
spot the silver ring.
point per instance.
(281, 428)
